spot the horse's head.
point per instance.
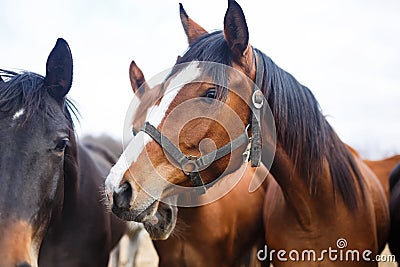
(195, 128)
(35, 136)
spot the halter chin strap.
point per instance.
(192, 165)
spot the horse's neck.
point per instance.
(295, 189)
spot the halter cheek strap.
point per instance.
(257, 101)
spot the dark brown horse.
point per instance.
(322, 198)
(394, 237)
(106, 149)
(50, 201)
(237, 229)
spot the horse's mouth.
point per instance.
(132, 215)
(162, 223)
(158, 218)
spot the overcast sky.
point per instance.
(345, 51)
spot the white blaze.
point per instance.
(155, 115)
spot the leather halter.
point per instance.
(192, 165)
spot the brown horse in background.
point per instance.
(236, 232)
(321, 196)
(51, 212)
(382, 168)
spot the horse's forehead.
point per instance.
(188, 73)
(153, 105)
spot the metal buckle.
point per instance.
(246, 153)
(190, 165)
(258, 99)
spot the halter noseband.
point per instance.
(192, 165)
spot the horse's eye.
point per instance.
(211, 93)
(61, 145)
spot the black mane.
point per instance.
(302, 130)
(26, 90)
(19, 90)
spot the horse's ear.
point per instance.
(58, 78)
(235, 29)
(137, 78)
(193, 30)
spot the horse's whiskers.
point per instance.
(180, 230)
(104, 200)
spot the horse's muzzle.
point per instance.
(17, 247)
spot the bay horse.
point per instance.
(322, 197)
(51, 212)
(382, 169)
(236, 233)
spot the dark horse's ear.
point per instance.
(193, 30)
(235, 29)
(138, 82)
(58, 78)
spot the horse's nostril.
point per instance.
(24, 264)
(122, 196)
